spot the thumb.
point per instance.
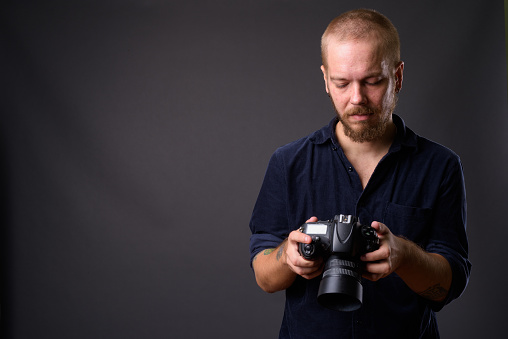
(379, 227)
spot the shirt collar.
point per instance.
(405, 137)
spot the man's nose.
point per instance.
(357, 95)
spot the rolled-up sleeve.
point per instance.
(448, 237)
(269, 221)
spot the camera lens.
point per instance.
(341, 288)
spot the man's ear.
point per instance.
(323, 69)
(399, 71)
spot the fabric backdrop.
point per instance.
(134, 137)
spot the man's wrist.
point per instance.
(280, 254)
(406, 251)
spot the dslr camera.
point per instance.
(340, 242)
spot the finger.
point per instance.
(297, 236)
(382, 268)
(311, 272)
(295, 259)
(312, 275)
(307, 268)
(380, 227)
(376, 225)
(299, 261)
(382, 253)
(312, 219)
(371, 276)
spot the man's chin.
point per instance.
(363, 132)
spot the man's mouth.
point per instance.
(360, 116)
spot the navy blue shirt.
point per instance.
(417, 190)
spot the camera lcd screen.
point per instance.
(317, 228)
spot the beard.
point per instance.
(366, 131)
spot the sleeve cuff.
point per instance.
(259, 242)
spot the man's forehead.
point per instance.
(366, 54)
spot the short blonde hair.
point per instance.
(363, 23)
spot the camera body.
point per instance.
(343, 235)
(340, 242)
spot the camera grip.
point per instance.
(309, 251)
(370, 240)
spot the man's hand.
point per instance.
(387, 258)
(277, 268)
(308, 269)
(428, 274)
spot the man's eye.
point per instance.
(341, 85)
(374, 82)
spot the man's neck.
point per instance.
(365, 156)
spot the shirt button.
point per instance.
(350, 169)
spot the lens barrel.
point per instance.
(340, 288)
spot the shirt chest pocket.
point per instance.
(410, 222)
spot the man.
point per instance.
(366, 163)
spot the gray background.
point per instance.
(135, 136)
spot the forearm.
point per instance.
(428, 274)
(271, 270)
